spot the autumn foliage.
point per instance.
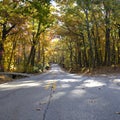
(77, 34)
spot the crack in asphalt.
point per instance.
(50, 97)
(49, 101)
(48, 104)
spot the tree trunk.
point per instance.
(107, 47)
(118, 55)
(86, 64)
(96, 59)
(43, 58)
(31, 57)
(91, 58)
(78, 54)
(98, 52)
(71, 54)
(1, 57)
(107, 60)
(119, 45)
(38, 56)
(5, 32)
(11, 56)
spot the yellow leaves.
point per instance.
(2, 21)
(17, 19)
(55, 40)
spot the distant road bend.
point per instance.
(57, 95)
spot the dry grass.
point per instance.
(96, 71)
(101, 70)
(107, 70)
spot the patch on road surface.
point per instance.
(51, 85)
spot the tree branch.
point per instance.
(7, 31)
(78, 34)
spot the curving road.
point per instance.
(57, 95)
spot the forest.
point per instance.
(77, 34)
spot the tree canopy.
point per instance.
(74, 33)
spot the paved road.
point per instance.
(57, 95)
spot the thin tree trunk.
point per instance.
(38, 57)
(24, 53)
(119, 44)
(107, 48)
(43, 58)
(11, 56)
(71, 54)
(78, 54)
(107, 60)
(91, 58)
(86, 64)
(1, 57)
(97, 42)
(31, 56)
(96, 59)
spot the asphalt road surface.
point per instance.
(57, 95)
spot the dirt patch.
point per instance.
(97, 71)
(5, 78)
(105, 70)
(10, 77)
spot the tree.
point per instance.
(40, 22)
(93, 27)
(10, 17)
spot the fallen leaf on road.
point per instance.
(83, 88)
(41, 103)
(38, 109)
(117, 112)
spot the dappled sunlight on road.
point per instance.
(23, 84)
(75, 76)
(69, 80)
(116, 80)
(93, 83)
(58, 95)
(65, 86)
(50, 81)
(76, 93)
(115, 84)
